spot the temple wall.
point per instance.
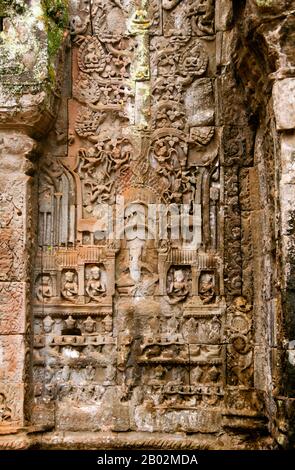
(147, 227)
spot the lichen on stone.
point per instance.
(8, 7)
(29, 45)
(264, 3)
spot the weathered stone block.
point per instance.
(202, 420)
(223, 14)
(11, 405)
(284, 103)
(70, 417)
(43, 415)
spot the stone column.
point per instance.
(16, 235)
(28, 105)
(284, 108)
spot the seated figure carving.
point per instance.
(95, 287)
(70, 287)
(44, 289)
(178, 289)
(207, 291)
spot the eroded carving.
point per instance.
(131, 315)
(44, 288)
(70, 286)
(95, 286)
(178, 284)
(5, 411)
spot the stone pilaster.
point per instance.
(15, 250)
(284, 108)
(28, 102)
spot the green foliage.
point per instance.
(56, 11)
(56, 19)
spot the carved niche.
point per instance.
(130, 304)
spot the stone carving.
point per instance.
(159, 292)
(5, 411)
(233, 235)
(201, 136)
(240, 351)
(136, 329)
(12, 299)
(196, 17)
(44, 288)
(178, 285)
(48, 324)
(56, 204)
(95, 286)
(89, 325)
(70, 286)
(206, 289)
(11, 225)
(6, 253)
(93, 57)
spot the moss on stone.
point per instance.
(264, 3)
(56, 18)
(7, 7)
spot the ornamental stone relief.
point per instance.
(130, 290)
(131, 266)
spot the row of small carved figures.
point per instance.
(181, 352)
(192, 390)
(94, 289)
(72, 340)
(191, 397)
(78, 340)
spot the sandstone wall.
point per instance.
(151, 339)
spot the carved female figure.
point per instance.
(70, 287)
(95, 287)
(44, 289)
(178, 288)
(5, 411)
(207, 291)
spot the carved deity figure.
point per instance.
(207, 291)
(5, 411)
(164, 246)
(95, 287)
(110, 374)
(89, 325)
(70, 287)
(48, 324)
(138, 276)
(190, 330)
(213, 374)
(158, 377)
(196, 375)
(44, 289)
(213, 330)
(178, 290)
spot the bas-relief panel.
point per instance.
(127, 308)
